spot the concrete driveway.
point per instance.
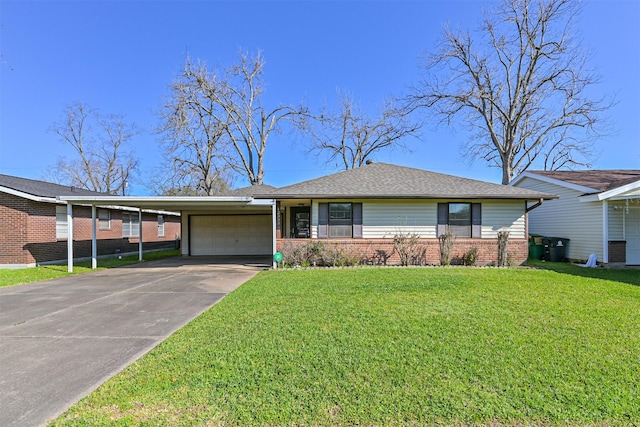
(61, 339)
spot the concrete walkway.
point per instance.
(61, 339)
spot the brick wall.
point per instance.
(374, 251)
(28, 233)
(14, 212)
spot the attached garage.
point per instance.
(230, 234)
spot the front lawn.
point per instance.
(11, 277)
(390, 347)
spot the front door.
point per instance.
(301, 222)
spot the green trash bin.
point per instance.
(536, 247)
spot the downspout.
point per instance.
(532, 207)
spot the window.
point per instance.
(462, 219)
(160, 226)
(130, 225)
(62, 227)
(339, 220)
(104, 219)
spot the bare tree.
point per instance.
(216, 123)
(522, 87)
(193, 130)
(100, 142)
(351, 138)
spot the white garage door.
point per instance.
(230, 234)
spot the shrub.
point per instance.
(446, 245)
(409, 249)
(471, 256)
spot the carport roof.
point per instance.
(171, 203)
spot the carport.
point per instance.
(210, 225)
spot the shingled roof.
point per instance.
(382, 180)
(43, 188)
(251, 190)
(599, 180)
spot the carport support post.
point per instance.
(94, 245)
(140, 234)
(69, 238)
(273, 233)
(605, 231)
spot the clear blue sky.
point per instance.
(120, 56)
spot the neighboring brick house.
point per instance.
(33, 225)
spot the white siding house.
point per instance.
(599, 211)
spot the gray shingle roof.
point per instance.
(381, 180)
(43, 188)
(251, 190)
(601, 180)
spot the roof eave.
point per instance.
(413, 196)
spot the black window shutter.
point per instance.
(443, 218)
(323, 220)
(476, 220)
(356, 210)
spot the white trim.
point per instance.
(29, 196)
(619, 191)
(548, 180)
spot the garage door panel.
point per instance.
(231, 234)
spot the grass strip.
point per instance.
(12, 277)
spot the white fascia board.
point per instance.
(580, 188)
(262, 202)
(616, 193)
(619, 191)
(30, 196)
(131, 200)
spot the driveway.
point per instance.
(61, 339)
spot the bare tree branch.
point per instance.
(214, 125)
(351, 138)
(100, 141)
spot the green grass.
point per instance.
(11, 277)
(390, 347)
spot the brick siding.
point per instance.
(375, 251)
(28, 233)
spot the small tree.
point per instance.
(503, 246)
(446, 246)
